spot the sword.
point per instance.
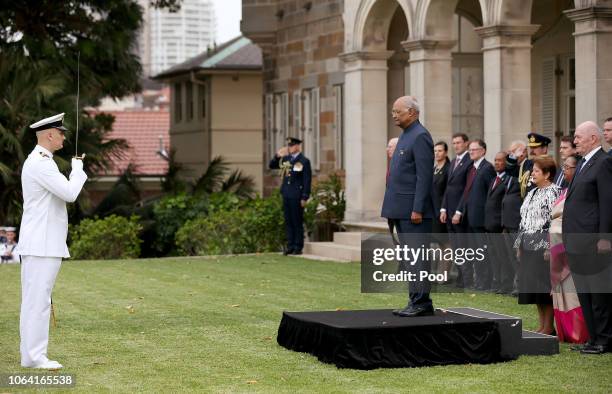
(53, 314)
(76, 143)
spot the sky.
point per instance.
(229, 13)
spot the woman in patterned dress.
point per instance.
(533, 244)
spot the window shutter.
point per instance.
(339, 127)
(316, 148)
(284, 118)
(269, 119)
(549, 97)
(297, 114)
(307, 128)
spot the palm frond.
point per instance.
(212, 179)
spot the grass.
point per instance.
(195, 324)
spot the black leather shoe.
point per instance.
(594, 349)
(287, 251)
(414, 312)
(580, 346)
(297, 252)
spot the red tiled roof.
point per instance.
(141, 130)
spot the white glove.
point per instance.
(77, 164)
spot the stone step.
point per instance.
(375, 226)
(348, 238)
(333, 251)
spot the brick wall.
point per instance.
(301, 51)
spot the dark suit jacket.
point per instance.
(296, 184)
(473, 208)
(410, 175)
(511, 204)
(455, 186)
(560, 178)
(493, 206)
(587, 207)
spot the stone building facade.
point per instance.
(495, 69)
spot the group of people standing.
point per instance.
(8, 243)
(547, 226)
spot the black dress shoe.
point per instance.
(287, 252)
(594, 349)
(414, 312)
(580, 346)
(297, 252)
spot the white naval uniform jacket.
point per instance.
(44, 225)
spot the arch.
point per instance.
(506, 12)
(435, 19)
(372, 23)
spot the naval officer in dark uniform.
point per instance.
(296, 177)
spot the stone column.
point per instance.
(593, 43)
(431, 84)
(365, 140)
(507, 84)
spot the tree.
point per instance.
(39, 43)
(32, 87)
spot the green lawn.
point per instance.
(195, 324)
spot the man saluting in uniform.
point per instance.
(44, 227)
(295, 189)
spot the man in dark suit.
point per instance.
(587, 224)
(455, 186)
(607, 133)
(566, 149)
(472, 208)
(502, 275)
(408, 201)
(296, 179)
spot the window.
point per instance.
(202, 101)
(339, 126)
(297, 129)
(311, 126)
(277, 121)
(178, 104)
(189, 93)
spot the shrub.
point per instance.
(255, 226)
(324, 212)
(170, 213)
(113, 237)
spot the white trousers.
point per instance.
(37, 279)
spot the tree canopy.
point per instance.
(39, 44)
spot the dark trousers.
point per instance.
(294, 223)
(481, 269)
(457, 241)
(509, 238)
(502, 270)
(415, 236)
(591, 275)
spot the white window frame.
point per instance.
(338, 91)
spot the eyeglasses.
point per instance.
(394, 112)
(566, 167)
(475, 150)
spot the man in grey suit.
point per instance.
(408, 202)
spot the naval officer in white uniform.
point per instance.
(42, 243)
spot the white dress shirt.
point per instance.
(44, 225)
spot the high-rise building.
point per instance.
(168, 38)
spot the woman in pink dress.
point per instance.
(568, 313)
